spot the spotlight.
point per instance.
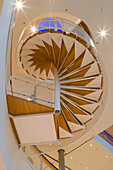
(19, 5)
(33, 29)
(103, 33)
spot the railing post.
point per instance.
(11, 84)
(34, 95)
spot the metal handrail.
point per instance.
(26, 81)
(36, 98)
(76, 29)
(32, 98)
(108, 136)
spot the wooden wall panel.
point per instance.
(19, 106)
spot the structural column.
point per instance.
(57, 93)
(61, 159)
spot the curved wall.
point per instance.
(13, 157)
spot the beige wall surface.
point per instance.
(2, 164)
(1, 4)
(13, 157)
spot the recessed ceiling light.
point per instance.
(19, 5)
(33, 29)
(106, 156)
(71, 157)
(103, 33)
(91, 145)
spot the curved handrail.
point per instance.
(67, 26)
(48, 163)
(108, 136)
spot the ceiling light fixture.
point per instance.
(91, 145)
(106, 156)
(71, 157)
(19, 4)
(33, 29)
(103, 33)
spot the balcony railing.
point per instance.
(31, 91)
(56, 24)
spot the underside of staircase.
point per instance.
(71, 94)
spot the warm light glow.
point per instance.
(86, 167)
(106, 156)
(19, 4)
(67, 32)
(103, 33)
(91, 145)
(29, 99)
(71, 157)
(33, 29)
(50, 144)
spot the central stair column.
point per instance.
(57, 93)
(61, 159)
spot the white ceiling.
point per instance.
(92, 155)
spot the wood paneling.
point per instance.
(19, 106)
(62, 123)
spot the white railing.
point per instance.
(31, 91)
(56, 24)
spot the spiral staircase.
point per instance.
(60, 93)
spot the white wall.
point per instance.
(12, 156)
